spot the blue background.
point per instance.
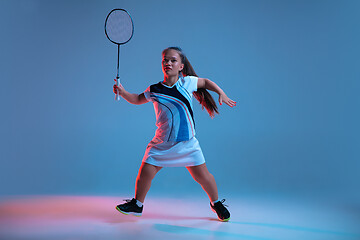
(292, 67)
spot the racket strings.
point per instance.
(119, 27)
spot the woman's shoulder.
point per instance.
(188, 79)
(155, 86)
(189, 83)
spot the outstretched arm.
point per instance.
(130, 97)
(210, 85)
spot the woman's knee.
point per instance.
(148, 171)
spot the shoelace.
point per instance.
(127, 200)
(223, 200)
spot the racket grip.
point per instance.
(117, 96)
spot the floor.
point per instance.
(95, 217)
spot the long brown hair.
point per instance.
(202, 95)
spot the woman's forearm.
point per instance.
(130, 97)
(210, 85)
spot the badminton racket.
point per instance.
(119, 29)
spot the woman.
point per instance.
(174, 144)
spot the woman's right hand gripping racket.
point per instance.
(119, 29)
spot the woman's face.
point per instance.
(171, 63)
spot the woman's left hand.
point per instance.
(224, 99)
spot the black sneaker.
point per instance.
(130, 207)
(221, 211)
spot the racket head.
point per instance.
(119, 27)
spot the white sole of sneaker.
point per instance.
(129, 213)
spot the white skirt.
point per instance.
(174, 154)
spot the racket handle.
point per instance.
(117, 96)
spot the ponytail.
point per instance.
(202, 95)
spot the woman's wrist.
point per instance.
(220, 92)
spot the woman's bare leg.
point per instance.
(143, 181)
(202, 175)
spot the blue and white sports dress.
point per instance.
(174, 144)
